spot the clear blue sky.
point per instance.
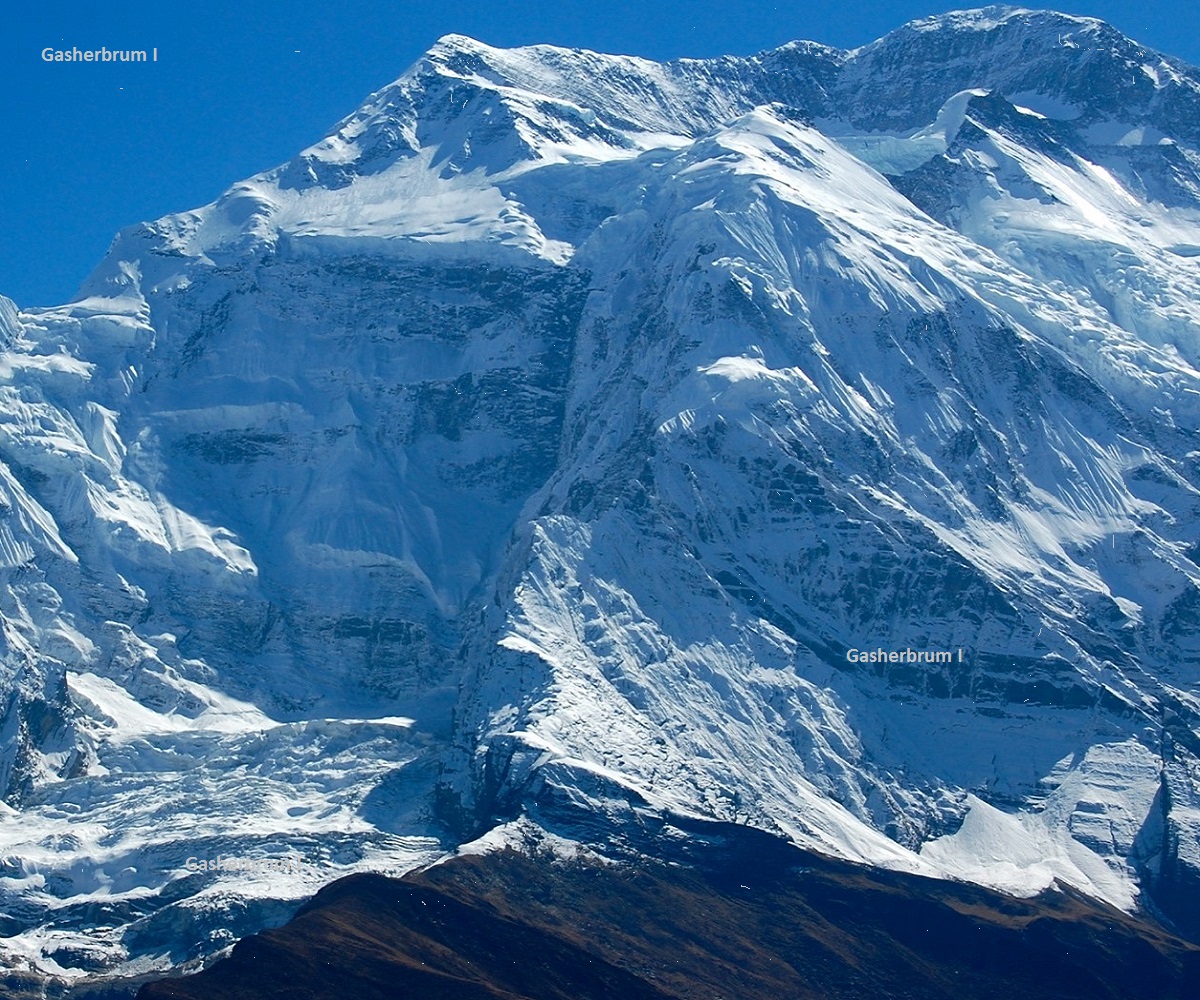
(241, 86)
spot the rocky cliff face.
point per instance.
(552, 438)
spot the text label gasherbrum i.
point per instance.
(903, 656)
(50, 54)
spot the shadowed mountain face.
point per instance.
(744, 916)
(809, 440)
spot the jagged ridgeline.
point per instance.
(542, 450)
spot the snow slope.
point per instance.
(543, 442)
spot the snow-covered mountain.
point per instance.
(543, 447)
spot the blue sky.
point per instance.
(241, 86)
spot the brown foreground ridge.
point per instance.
(742, 915)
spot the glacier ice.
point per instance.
(535, 446)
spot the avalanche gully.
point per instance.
(523, 459)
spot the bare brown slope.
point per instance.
(744, 917)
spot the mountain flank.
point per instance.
(735, 914)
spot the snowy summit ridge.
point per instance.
(538, 446)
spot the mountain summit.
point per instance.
(806, 441)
